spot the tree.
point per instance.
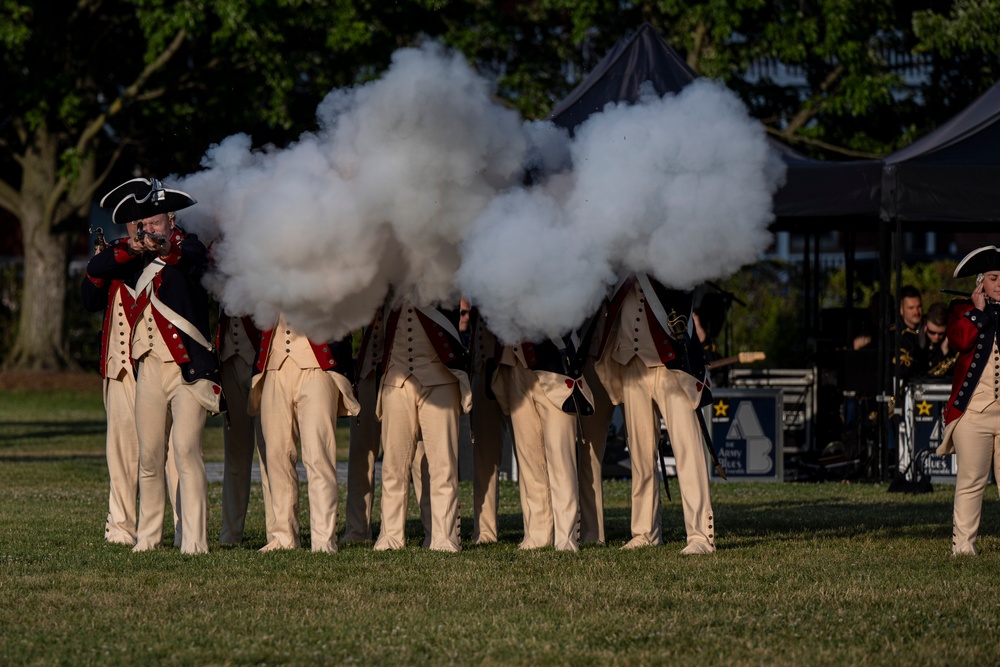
(971, 25)
(99, 90)
(94, 88)
(836, 78)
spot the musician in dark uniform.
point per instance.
(177, 371)
(972, 416)
(649, 363)
(939, 357)
(909, 360)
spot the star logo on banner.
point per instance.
(721, 409)
(924, 409)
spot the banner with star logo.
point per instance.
(747, 433)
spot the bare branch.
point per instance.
(795, 138)
(699, 39)
(814, 105)
(150, 95)
(20, 130)
(10, 199)
(91, 6)
(87, 194)
(130, 93)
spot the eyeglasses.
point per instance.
(463, 313)
(931, 332)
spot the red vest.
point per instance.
(324, 352)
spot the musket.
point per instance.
(100, 244)
(661, 449)
(141, 234)
(678, 329)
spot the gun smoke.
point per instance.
(416, 181)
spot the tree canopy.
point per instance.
(97, 91)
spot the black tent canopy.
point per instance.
(818, 189)
(813, 189)
(951, 174)
(620, 74)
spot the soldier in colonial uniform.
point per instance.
(115, 298)
(366, 435)
(424, 388)
(177, 379)
(648, 362)
(541, 387)
(299, 389)
(591, 444)
(366, 438)
(972, 416)
(488, 424)
(238, 340)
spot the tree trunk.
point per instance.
(40, 343)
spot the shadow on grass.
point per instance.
(16, 431)
(742, 525)
(855, 512)
(796, 520)
(55, 458)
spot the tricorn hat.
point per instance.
(143, 198)
(979, 261)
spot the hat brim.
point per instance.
(139, 199)
(980, 260)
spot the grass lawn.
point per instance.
(822, 574)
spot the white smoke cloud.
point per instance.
(529, 272)
(417, 181)
(679, 187)
(382, 194)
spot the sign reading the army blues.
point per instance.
(923, 407)
(746, 433)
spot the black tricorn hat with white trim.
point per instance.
(143, 198)
(980, 260)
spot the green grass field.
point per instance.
(823, 574)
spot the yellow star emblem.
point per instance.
(721, 409)
(924, 408)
